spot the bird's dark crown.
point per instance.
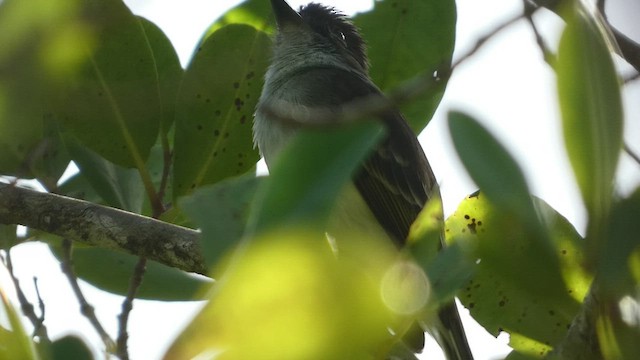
(337, 28)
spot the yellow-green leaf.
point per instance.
(287, 296)
(15, 343)
(590, 102)
(519, 286)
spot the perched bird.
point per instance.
(320, 62)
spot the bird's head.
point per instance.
(317, 35)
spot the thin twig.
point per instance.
(629, 49)
(127, 306)
(631, 153)
(39, 329)
(632, 77)
(482, 40)
(601, 4)
(85, 308)
(547, 55)
(40, 306)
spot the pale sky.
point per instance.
(506, 86)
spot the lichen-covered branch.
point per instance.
(102, 226)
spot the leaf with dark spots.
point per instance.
(505, 291)
(201, 156)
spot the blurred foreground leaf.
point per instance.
(15, 343)
(289, 297)
(592, 119)
(618, 325)
(304, 185)
(490, 166)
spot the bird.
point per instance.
(319, 61)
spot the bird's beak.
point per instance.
(285, 15)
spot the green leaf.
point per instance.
(111, 271)
(288, 296)
(616, 277)
(117, 186)
(309, 175)
(519, 286)
(78, 187)
(221, 212)
(159, 158)
(490, 165)
(255, 13)
(449, 271)
(408, 38)
(591, 107)
(8, 236)
(37, 45)
(50, 159)
(448, 268)
(15, 342)
(169, 70)
(113, 104)
(70, 347)
(215, 107)
(527, 349)
(617, 328)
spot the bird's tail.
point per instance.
(450, 334)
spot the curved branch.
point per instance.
(102, 226)
(629, 49)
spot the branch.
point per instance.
(629, 49)
(632, 154)
(547, 55)
(102, 226)
(86, 309)
(127, 306)
(39, 329)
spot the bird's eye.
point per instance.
(339, 37)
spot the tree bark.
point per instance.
(102, 226)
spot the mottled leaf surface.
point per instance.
(217, 99)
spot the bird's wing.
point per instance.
(396, 179)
